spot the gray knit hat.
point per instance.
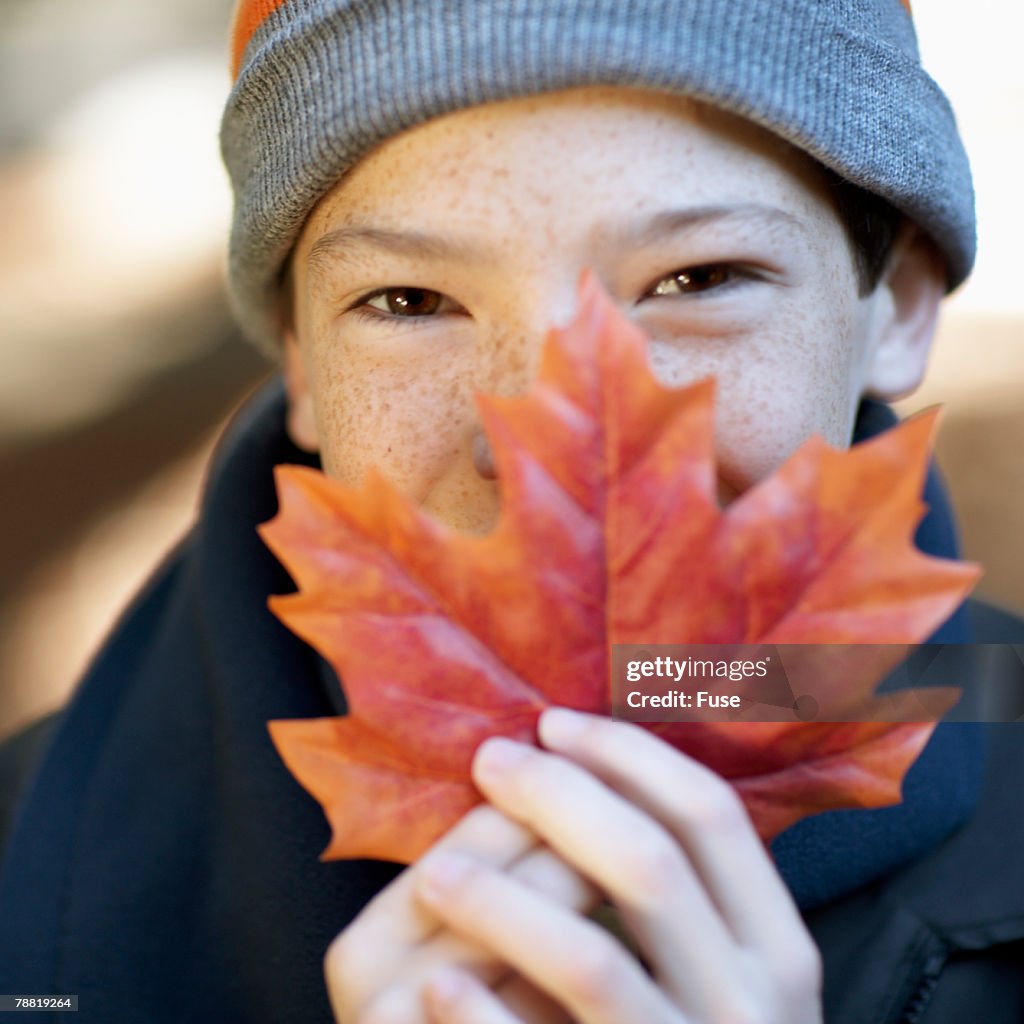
(318, 83)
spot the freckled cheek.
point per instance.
(751, 443)
(769, 400)
(408, 422)
(758, 428)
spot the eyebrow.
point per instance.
(669, 222)
(338, 244)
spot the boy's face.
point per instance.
(434, 268)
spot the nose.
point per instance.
(509, 350)
(511, 342)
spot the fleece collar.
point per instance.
(824, 857)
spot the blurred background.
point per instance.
(120, 362)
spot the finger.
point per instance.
(367, 955)
(541, 870)
(698, 807)
(526, 1001)
(571, 959)
(397, 997)
(549, 875)
(451, 996)
(628, 854)
(455, 997)
(404, 1001)
(484, 833)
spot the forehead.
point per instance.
(572, 152)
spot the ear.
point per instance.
(300, 422)
(907, 307)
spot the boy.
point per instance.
(418, 189)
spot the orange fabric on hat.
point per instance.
(249, 15)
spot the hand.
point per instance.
(671, 845)
(376, 967)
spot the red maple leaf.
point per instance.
(609, 533)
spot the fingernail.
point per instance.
(446, 986)
(442, 873)
(497, 756)
(561, 725)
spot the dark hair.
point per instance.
(871, 223)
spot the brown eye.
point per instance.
(406, 301)
(694, 279)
